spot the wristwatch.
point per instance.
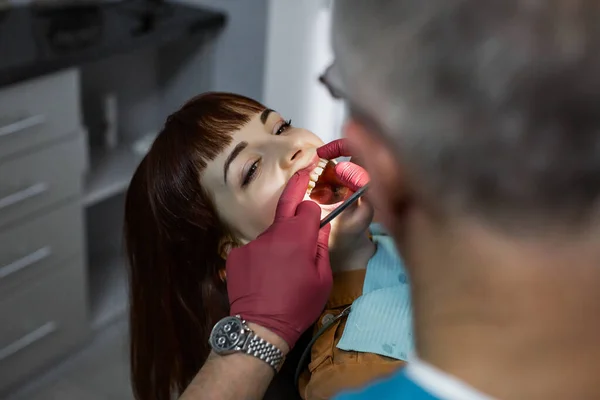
(232, 335)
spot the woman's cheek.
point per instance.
(266, 212)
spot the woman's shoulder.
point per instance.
(333, 370)
(347, 287)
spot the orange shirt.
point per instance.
(332, 370)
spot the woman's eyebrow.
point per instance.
(234, 153)
(265, 114)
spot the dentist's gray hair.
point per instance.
(493, 106)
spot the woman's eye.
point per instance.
(283, 127)
(251, 174)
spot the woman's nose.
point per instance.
(292, 155)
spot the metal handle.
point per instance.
(349, 201)
(29, 339)
(22, 195)
(22, 124)
(25, 262)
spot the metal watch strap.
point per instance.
(260, 348)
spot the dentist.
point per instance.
(478, 123)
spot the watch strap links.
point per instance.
(267, 352)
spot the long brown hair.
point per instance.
(172, 236)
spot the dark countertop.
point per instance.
(35, 40)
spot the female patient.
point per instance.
(210, 182)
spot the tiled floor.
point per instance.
(99, 372)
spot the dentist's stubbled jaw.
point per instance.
(324, 188)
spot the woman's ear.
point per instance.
(223, 275)
(225, 247)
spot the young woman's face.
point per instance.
(248, 177)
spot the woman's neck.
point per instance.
(353, 257)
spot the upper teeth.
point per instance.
(315, 174)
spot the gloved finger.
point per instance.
(292, 195)
(322, 258)
(309, 210)
(310, 214)
(323, 238)
(335, 149)
(351, 175)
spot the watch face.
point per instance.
(227, 334)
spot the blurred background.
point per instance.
(84, 88)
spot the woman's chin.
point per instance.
(326, 209)
(328, 203)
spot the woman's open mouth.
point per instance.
(325, 188)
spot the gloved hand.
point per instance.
(282, 279)
(349, 173)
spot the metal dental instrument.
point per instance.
(352, 199)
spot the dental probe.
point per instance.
(352, 199)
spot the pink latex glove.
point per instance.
(282, 279)
(350, 174)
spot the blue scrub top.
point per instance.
(397, 387)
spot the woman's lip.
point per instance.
(311, 166)
(329, 207)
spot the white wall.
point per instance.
(232, 61)
(298, 51)
(240, 47)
